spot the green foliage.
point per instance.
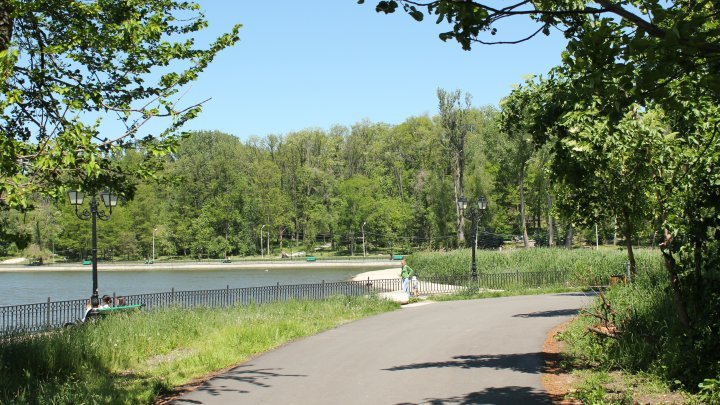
(134, 358)
(304, 189)
(63, 71)
(709, 390)
(652, 339)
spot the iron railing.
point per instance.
(33, 318)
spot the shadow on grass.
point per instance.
(548, 314)
(238, 380)
(526, 363)
(497, 395)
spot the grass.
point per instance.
(135, 358)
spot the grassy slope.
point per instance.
(135, 358)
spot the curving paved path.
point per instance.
(460, 352)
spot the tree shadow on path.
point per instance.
(549, 314)
(235, 380)
(531, 363)
(496, 395)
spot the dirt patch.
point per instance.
(558, 383)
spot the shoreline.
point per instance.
(165, 266)
(383, 274)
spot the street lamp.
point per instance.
(153, 255)
(475, 212)
(363, 232)
(110, 201)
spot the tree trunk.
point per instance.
(628, 241)
(38, 236)
(680, 306)
(460, 213)
(398, 178)
(569, 237)
(615, 232)
(526, 242)
(351, 236)
(280, 238)
(551, 231)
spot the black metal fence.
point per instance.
(33, 318)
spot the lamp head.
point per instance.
(76, 197)
(110, 200)
(462, 202)
(482, 203)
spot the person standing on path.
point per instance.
(405, 273)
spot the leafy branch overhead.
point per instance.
(68, 67)
(469, 19)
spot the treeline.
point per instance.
(397, 185)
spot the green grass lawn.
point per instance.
(130, 359)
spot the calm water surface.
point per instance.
(37, 286)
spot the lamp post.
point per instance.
(110, 201)
(475, 212)
(153, 254)
(363, 232)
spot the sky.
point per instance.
(319, 63)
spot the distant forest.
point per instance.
(396, 184)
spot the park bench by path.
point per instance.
(99, 313)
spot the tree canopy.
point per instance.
(69, 66)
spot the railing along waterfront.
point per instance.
(33, 318)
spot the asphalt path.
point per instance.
(485, 351)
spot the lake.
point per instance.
(36, 286)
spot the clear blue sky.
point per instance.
(313, 64)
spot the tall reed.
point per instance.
(582, 265)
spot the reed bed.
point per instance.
(584, 266)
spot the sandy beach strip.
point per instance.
(171, 266)
(385, 274)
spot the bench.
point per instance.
(106, 311)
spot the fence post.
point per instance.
(322, 292)
(48, 313)
(227, 295)
(517, 276)
(277, 291)
(172, 296)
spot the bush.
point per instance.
(652, 339)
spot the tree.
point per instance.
(455, 129)
(68, 65)
(685, 30)
(519, 152)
